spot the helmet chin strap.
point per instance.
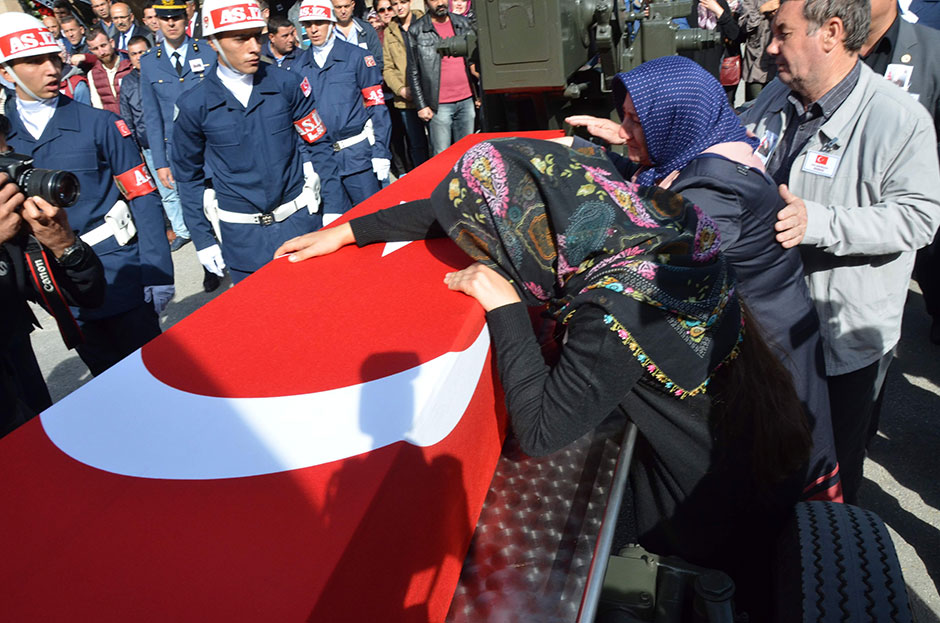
(221, 52)
(21, 84)
(329, 35)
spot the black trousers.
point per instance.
(109, 340)
(854, 402)
(23, 391)
(927, 273)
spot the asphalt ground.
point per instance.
(901, 483)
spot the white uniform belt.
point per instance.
(98, 234)
(366, 135)
(118, 222)
(276, 215)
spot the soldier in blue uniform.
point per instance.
(118, 211)
(257, 129)
(347, 83)
(171, 68)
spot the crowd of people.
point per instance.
(735, 284)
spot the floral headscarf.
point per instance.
(683, 111)
(566, 229)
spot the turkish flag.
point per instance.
(313, 445)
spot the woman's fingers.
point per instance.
(321, 242)
(487, 286)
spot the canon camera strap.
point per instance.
(52, 297)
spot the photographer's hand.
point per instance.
(11, 202)
(49, 225)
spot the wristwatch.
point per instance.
(74, 255)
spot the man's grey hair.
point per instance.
(855, 16)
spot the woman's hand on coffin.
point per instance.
(487, 286)
(320, 242)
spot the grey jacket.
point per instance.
(756, 64)
(424, 63)
(866, 222)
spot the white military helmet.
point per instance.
(225, 15)
(23, 35)
(316, 11)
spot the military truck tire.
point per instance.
(836, 562)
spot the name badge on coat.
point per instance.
(821, 163)
(196, 65)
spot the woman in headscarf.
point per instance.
(652, 320)
(463, 7)
(681, 134)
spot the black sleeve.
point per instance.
(411, 70)
(626, 167)
(413, 220)
(728, 25)
(550, 407)
(83, 285)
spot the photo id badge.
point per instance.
(766, 147)
(899, 74)
(196, 65)
(821, 163)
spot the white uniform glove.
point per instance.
(329, 218)
(312, 188)
(160, 296)
(211, 258)
(210, 207)
(381, 167)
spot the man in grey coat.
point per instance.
(857, 160)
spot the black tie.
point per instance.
(177, 63)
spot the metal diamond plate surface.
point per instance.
(533, 545)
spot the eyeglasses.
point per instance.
(384, 9)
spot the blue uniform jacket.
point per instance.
(161, 87)
(338, 88)
(132, 108)
(89, 143)
(256, 156)
(368, 40)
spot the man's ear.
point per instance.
(832, 34)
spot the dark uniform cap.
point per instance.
(170, 8)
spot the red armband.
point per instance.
(135, 182)
(311, 127)
(373, 96)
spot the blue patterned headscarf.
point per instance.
(683, 111)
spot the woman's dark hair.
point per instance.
(758, 412)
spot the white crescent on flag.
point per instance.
(129, 422)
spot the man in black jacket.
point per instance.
(442, 87)
(909, 55)
(60, 268)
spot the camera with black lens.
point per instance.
(60, 188)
